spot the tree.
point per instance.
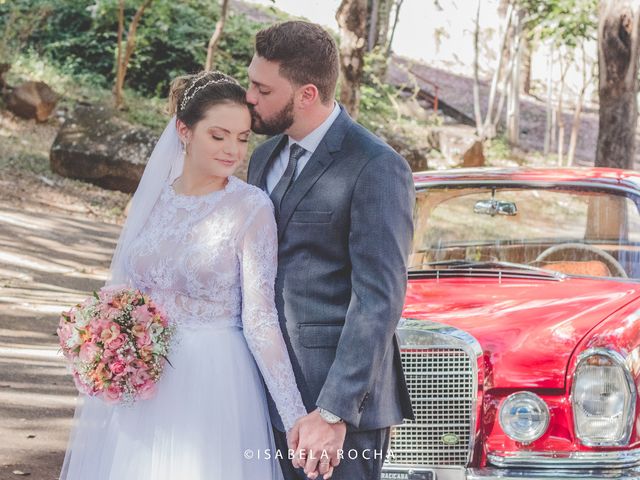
(486, 128)
(352, 19)
(618, 52)
(122, 61)
(563, 26)
(217, 35)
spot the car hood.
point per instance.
(527, 328)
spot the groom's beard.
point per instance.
(279, 123)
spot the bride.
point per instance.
(202, 244)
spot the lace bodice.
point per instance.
(210, 261)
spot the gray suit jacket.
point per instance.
(345, 230)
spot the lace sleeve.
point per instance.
(259, 256)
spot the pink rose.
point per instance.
(117, 367)
(117, 342)
(113, 393)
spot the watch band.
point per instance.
(329, 417)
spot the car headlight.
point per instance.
(524, 417)
(603, 398)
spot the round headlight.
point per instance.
(524, 417)
(603, 399)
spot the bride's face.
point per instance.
(217, 144)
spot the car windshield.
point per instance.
(569, 230)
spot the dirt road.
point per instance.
(48, 261)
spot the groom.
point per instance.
(343, 203)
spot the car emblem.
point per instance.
(450, 439)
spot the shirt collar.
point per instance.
(313, 139)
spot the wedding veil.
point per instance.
(166, 162)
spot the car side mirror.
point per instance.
(495, 207)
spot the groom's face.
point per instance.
(270, 97)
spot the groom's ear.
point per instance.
(308, 95)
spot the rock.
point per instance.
(474, 156)
(95, 146)
(453, 141)
(32, 100)
(416, 157)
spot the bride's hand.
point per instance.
(293, 438)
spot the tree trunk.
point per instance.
(395, 25)
(352, 19)
(527, 53)
(372, 39)
(548, 106)
(384, 19)
(575, 125)
(217, 35)
(476, 79)
(513, 103)
(564, 69)
(117, 89)
(618, 36)
(123, 63)
(503, 51)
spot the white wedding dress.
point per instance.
(210, 261)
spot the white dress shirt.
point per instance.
(309, 143)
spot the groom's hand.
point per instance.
(316, 444)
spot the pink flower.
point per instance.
(89, 351)
(140, 377)
(147, 390)
(144, 341)
(113, 393)
(108, 354)
(117, 367)
(117, 342)
(79, 384)
(110, 333)
(142, 315)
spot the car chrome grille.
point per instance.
(441, 385)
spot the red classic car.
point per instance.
(521, 330)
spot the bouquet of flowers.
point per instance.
(116, 342)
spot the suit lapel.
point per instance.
(258, 175)
(319, 162)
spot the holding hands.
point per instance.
(317, 443)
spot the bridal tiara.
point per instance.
(190, 92)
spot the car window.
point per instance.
(520, 225)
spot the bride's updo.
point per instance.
(192, 95)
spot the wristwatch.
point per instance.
(329, 417)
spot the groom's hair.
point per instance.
(306, 53)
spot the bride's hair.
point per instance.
(192, 95)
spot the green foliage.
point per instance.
(376, 96)
(565, 22)
(71, 45)
(81, 35)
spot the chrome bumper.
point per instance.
(457, 473)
